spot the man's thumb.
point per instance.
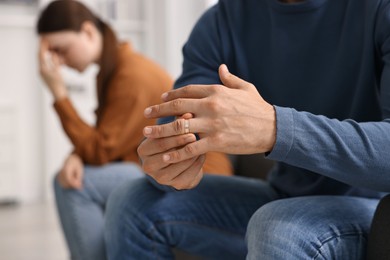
(229, 80)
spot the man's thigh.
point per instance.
(209, 220)
(313, 227)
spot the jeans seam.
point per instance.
(325, 241)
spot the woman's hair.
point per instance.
(64, 15)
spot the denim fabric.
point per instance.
(144, 222)
(82, 211)
(318, 227)
(211, 221)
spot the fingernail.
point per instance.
(166, 157)
(147, 130)
(225, 67)
(164, 96)
(148, 111)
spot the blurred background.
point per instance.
(32, 143)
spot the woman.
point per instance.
(104, 155)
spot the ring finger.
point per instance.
(166, 175)
(177, 127)
(156, 146)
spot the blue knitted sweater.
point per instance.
(325, 66)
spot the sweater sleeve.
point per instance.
(357, 153)
(119, 130)
(348, 151)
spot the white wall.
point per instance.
(173, 22)
(20, 95)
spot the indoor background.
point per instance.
(32, 142)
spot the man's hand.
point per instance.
(231, 118)
(182, 175)
(71, 174)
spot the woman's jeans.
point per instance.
(234, 218)
(82, 211)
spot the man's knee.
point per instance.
(308, 228)
(128, 202)
(126, 217)
(271, 222)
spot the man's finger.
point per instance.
(188, 151)
(177, 127)
(154, 163)
(156, 146)
(166, 175)
(177, 107)
(231, 81)
(190, 92)
(191, 177)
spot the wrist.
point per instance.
(59, 92)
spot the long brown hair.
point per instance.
(63, 15)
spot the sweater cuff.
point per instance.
(284, 134)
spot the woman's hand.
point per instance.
(49, 68)
(231, 118)
(71, 174)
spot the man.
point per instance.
(309, 85)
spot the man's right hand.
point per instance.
(183, 175)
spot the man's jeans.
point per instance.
(234, 218)
(82, 211)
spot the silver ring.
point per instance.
(186, 126)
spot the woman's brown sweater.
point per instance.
(136, 84)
